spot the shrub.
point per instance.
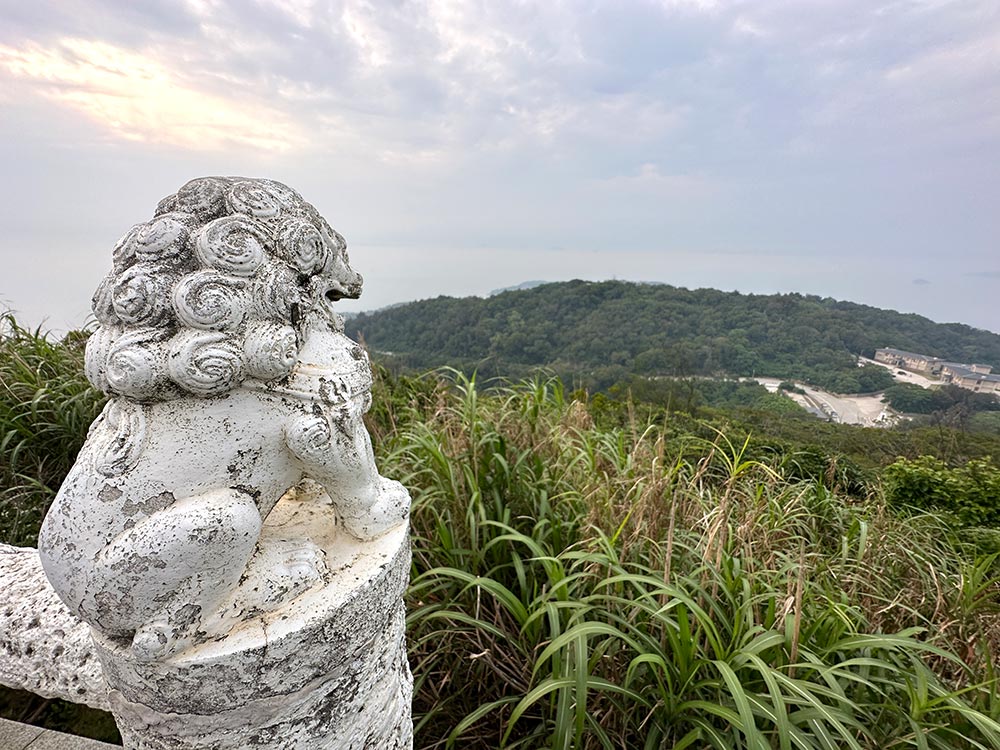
(970, 492)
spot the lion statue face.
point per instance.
(214, 290)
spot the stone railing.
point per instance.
(44, 648)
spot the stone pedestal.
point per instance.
(327, 669)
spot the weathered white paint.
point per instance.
(327, 669)
(225, 531)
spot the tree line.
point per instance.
(603, 331)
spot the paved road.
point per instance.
(864, 410)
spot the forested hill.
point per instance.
(618, 326)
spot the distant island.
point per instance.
(604, 331)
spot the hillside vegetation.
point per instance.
(590, 575)
(604, 330)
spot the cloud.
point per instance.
(443, 77)
(921, 282)
(139, 98)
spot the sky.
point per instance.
(844, 148)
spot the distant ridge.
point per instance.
(519, 287)
(657, 329)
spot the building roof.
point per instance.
(961, 369)
(965, 371)
(983, 377)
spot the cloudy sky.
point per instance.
(846, 148)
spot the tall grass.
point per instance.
(578, 588)
(46, 407)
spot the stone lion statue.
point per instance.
(231, 384)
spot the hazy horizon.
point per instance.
(747, 276)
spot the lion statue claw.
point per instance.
(231, 384)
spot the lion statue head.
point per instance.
(215, 290)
